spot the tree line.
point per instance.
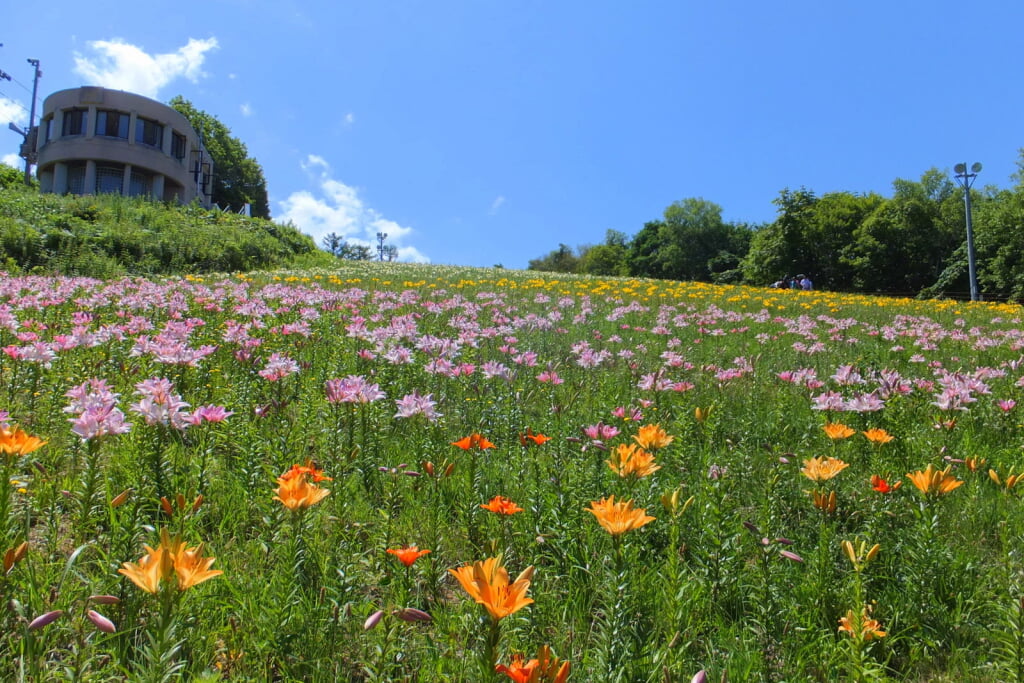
(912, 243)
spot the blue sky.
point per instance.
(479, 132)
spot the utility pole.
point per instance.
(965, 179)
(381, 236)
(31, 134)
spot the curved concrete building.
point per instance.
(92, 140)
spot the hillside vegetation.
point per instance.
(110, 235)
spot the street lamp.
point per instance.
(965, 180)
(30, 139)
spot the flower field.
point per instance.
(411, 473)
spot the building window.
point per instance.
(109, 179)
(112, 124)
(76, 178)
(46, 129)
(74, 122)
(177, 145)
(149, 133)
(140, 185)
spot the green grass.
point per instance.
(705, 586)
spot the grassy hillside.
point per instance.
(110, 235)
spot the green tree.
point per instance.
(692, 234)
(692, 242)
(561, 260)
(608, 258)
(642, 255)
(781, 248)
(335, 244)
(829, 233)
(237, 177)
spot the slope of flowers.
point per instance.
(416, 473)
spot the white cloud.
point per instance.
(120, 65)
(246, 109)
(335, 207)
(496, 204)
(12, 111)
(350, 118)
(13, 160)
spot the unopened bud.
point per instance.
(373, 620)
(850, 554)
(45, 619)
(526, 574)
(101, 622)
(119, 500)
(412, 615)
(104, 599)
(873, 552)
(14, 555)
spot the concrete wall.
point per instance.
(62, 158)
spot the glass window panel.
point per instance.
(140, 185)
(109, 179)
(76, 178)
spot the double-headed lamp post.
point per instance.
(965, 180)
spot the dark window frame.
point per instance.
(149, 132)
(179, 145)
(111, 123)
(74, 122)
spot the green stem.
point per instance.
(490, 658)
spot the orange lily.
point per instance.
(474, 440)
(863, 627)
(632, 460)
(931, 480)
(17, 442)
(152, 568)
(549, 669)
(537, 439)
(172, 557)
(878, 436)
(519, 670)
(296, 492)
(837, 431)
(502, 506)
(618, 518)
(822, 469)
(487, 582)
(882, 486)
(653, 437)
(544, 669)
(192, 568)
(309, 469)
(408, 554)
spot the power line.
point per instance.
(15, 102)
(23, 86)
